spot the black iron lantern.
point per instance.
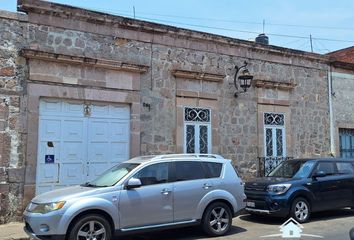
(244, 77)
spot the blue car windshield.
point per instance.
(112, 176)
(292, 169)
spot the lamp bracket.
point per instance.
(238, 69)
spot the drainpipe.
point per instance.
(331, 124)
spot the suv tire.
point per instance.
(300, 210)
(217, 219)
(94, 226)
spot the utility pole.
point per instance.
(263, 25)
(134, 11)
(311, 43)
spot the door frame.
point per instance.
(86, 120)
(37, 91)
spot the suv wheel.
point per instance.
(217, 219)
(300, 210)
(91, 227)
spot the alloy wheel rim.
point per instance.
(219, 219)
(92, 230)
(301, 210)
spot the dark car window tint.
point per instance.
(304, 170)
(213, 169)
(345, 168)
(153, 174)
(326, 167)
(286, 169)
(189, 171)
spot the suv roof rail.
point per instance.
(189, 155)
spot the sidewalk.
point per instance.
(13, 231)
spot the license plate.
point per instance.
(250, 204)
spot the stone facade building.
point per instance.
(342, 88)
(82, 90)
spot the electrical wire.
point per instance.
(227, 20)
(227, 29)
(243, 31)
(324, 46)
(245, 22)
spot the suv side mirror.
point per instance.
(133, 183)
(319, 174)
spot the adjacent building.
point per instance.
(81, 91)
(341, 76)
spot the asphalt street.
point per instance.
(332, 225)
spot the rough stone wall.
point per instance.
(12, 111)
(237, 117)
(309, 113)
(238, 135)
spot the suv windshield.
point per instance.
(292, 169)
(112, 176)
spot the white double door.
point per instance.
(78, 141)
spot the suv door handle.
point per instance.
(165, 191)
(207, 186)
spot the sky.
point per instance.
(287, 23)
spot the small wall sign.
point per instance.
(49, 158)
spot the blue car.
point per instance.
(296, 188)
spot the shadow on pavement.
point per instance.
(319, 216)
(262, 219)
(181, 234)
(333, 214)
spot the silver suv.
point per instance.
(144, 193)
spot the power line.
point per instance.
(222, 28)
(114, 11)
(244, 31)
(292, 42)
(304, 43)
(324, 46)
(246, 22)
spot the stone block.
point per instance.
(28, 194)
(5, 142)
(3, 174)
(2, 125)
(16, 175)
(7, 72)
(30, 174)
(12, 123)
(4, 189)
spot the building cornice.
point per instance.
(344, 65)
(259, 83)
(198, 75)
(99, 18)
(80, 60)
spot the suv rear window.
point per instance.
(327, 167)
(189, 171)
(212, 169)
(345, 168)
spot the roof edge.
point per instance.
(13, 16)
(56, 9)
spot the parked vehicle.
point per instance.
(298, 187)
(144, 193)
